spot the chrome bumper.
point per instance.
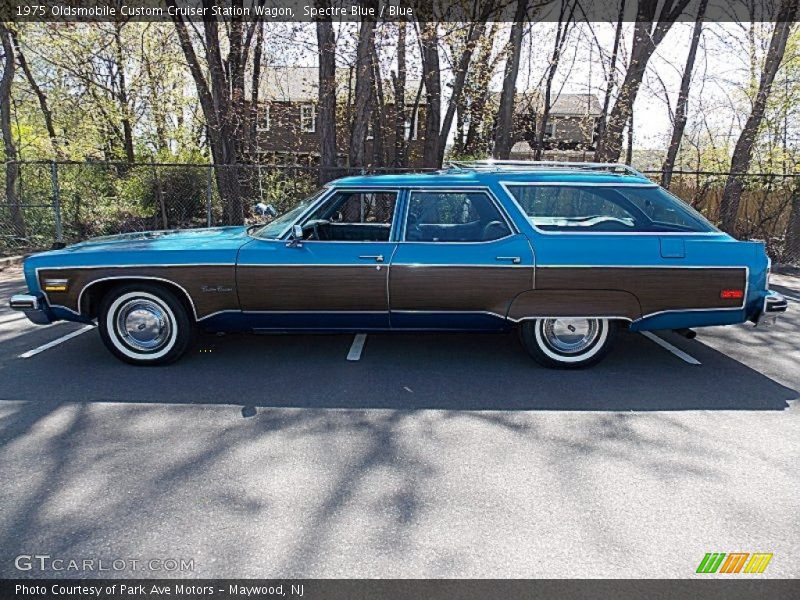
(774, 305)
(34, 308)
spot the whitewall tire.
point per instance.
(145, 324)
(568, 342)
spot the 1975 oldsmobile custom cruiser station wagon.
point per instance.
(566, 253)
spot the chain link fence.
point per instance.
(65, 202)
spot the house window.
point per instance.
(550, 129)
(308, 118)
(411, 128)
(264, 122)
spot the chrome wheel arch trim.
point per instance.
(135, 278)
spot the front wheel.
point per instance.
(567, 342)
(145, 324)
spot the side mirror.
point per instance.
(297, 237)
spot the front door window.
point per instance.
(353, 216)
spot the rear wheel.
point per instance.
(567, 342)
(145, 324)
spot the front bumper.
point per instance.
(774, 304)
(34, 307)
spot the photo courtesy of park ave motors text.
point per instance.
(314, 299)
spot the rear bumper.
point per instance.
(34, 307)
(774, 304)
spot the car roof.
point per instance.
(476, 178)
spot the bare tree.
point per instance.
(399, 85)
(743, 151)
(792, 253)
(12, 167)
(121, 86)
(648, 33)
(562, 31)
(477, 138)
(475, 30)
(431, 76)
(41, 97)
(611, 79)
(326, 42)
(364, 94)
(505, 113)
(222, 98)
(679, 123)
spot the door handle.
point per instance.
(514, 259)
(375, 257)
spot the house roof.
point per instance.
(576, 105)
(563, 105)
(301, 84)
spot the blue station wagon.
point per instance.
(566, 253)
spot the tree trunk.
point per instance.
(561, 36)
(364, 94)
(505, 113)
(612, 72)
(47, 114)
(476, 140)
(629, 148)
(476, 30)
(218, 97)
(399, 82)
(647, 35)
(12, 167)
(792, 253)
(254, 91)
(743, 152)
(122, 95)
(429, 50)
(683, 100)
(378, 113)
(326, 120)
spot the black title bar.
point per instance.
(381, 10)
(396, 589)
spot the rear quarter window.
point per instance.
(572, 208)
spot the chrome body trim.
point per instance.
(24, 302)
(133, 278)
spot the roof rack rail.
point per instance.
(535, 165)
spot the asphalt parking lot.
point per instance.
(429, 456)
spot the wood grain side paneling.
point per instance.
(323, 288)
(488, 289)
(656, 289)
(212, 288)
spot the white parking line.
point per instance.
(55, 342)
(357, 347)
(667, 346)
(11, 318)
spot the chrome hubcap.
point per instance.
(570, 336)
(143, 325)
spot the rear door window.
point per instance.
(454, 217)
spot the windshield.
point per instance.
(278, 225)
